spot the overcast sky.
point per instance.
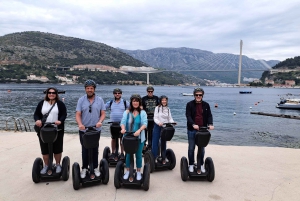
(270, 29)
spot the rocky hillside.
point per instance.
(195, 59)
(38, 48)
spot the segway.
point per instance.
(202, 138)
(131, 144)
(115, 129)
(167, 134)
(48, 135)
(90, 140)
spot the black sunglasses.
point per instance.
(117, 93)
(90, 108)
(150, 91)
(199, 95)
(50, 92)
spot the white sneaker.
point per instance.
(97, 173)
(83, 173)
(191, 168)
(202, 169)
(126, 175)
(58, 168)
(44, 170)
(138, 176)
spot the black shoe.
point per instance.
(112, 156)
(122, 157)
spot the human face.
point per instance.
(118, 95)
(135, 103)
(150, 93)
(164, 102)
(89, 91)
(198, 96)
(51, 94)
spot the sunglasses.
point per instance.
(199, 95)
(117, 93)
(150, 91)
(50, 92)
(90, 108)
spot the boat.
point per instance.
(290, 103)
(187, 94)
(245, 92)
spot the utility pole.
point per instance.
(240, 63)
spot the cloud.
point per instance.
(269, 29)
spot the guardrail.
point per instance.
(15, 123)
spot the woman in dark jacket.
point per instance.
(57, 115)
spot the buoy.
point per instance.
(216, 105)
(250, 107)
(234, 113)
(9, 91)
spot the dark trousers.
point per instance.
(148, 132)
(85, 154)
(155, 142)
(191, 149)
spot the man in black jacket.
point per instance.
(198, 114)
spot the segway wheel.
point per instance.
(119, 171)
(184, 169)
(76, 176)
(148, 158)
(36, 168)
(65, 168)
(171, 156)
(209, 165)
(106, 153)
(103, 168)
(146, 177)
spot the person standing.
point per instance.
(58, 115)
(149, 102)
(135, 120)
(198, 114)
(162, 114)
(117, 108)
(90, 112)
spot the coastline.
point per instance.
(242, 173)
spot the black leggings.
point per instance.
(57, 145)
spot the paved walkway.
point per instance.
(242, 173)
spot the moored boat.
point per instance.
(245, 92)
(293, 104)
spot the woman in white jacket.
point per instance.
(162, 114)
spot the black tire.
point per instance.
(76, 176)
(184, 169)
(65, 168)
(171, 157)
(146, 177)
(106, 153)
(103, 168)
(209, 166)
(148, 158)
(119, 171)
(36, 169)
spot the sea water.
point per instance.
(234, 125)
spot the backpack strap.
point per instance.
(124, 101)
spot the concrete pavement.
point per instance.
(242, 173)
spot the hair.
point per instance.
(139, 99)
(117, 90)
(46, 96)
(150, 87)
(198, 90)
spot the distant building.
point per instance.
(269, 82)
(290, 82)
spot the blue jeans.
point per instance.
(138, 156)
(191, 150)
(85, 154)
(155, 142)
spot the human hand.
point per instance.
(38, 123)
(99, 124)
(137, 133)
(160, 124)
(57, 122)
(81, 127)
(196, 127)
(123, 131)
(211, 127)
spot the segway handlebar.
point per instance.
(170, 123)
(111, 122)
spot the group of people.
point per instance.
(145, 117)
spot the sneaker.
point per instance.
(202, 169)
(58, 168)
(97, 173)
(126, 175)
(191, 168)
(122, 156)
(44, 170)
(138, 176)
(83, 173)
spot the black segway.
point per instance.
(90, 140)
(115, 129)
(48, 135)
(201, 140)
(167, 134)
(131, 143)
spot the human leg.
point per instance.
(150, 131)
(138, 155)
(155, 140)
(191, 147)
(163, 146)
(84, 152)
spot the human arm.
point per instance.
(101, 119)
(155, 118)
(188, 114)
(62, 113)
(210, 119)
(123, 121)
(38, 114)
(144, 123)
(78, 120)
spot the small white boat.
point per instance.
(187, 94)
(289, 104)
